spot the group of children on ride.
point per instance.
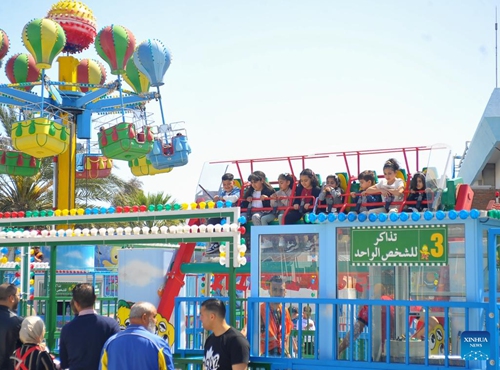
(263, 204)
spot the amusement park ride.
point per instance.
(438, 264)
(50, 123)
(58, 121)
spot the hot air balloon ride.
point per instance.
(91, 165)
(171, 148)
(143, 167)
(126, 141)
(42, 134)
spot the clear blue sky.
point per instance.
(283, 77)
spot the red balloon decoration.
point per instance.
(77, 21)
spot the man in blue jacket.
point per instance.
(137, 347)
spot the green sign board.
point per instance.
(399, 245)
(64, 289)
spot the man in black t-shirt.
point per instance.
(226, 348)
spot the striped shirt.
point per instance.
(36, 360)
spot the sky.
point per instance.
(293, 77)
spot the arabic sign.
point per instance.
(399, 245)
(64, 289)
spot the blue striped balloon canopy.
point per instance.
(152, 58)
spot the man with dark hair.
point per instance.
(226, 348)
(83, 337)
(138, 347)
(272, 325)
(10, 324)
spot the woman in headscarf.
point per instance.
(32, 355)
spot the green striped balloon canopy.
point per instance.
(44, 39)
(115, 44)
(21, 68)
(135, 78)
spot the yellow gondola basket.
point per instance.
(143, 167)
(40, 137)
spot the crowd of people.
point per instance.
(88, 342)
(293, 201)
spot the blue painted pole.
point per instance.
(161, 106)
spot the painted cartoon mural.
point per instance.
(141, 276)
(123, 313)
(106, 257)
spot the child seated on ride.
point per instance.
(390, 187)
(166, 148)
(228, 192)
(366, 180)
(331, 193)
(257, 196)
(417, 194)
(305, 195)
(278, 199)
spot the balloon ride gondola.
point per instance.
(152, 59)
(143, 167)
(170, 151)
(40, 136)
(122, 141)
(116, 44)
(42, 133)
(16, 163)
(93, 166)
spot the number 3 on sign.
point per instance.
(438, 249)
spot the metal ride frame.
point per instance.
(181, 237)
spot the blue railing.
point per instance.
(315, 349)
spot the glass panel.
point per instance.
(422, 283)
(289, 268)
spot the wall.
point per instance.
(482, 197)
